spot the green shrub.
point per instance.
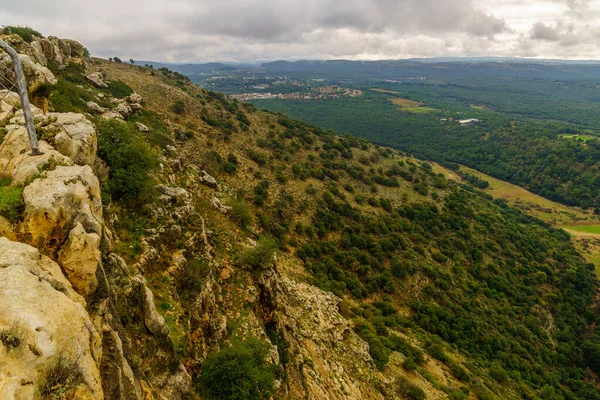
(409, 390)
(129, 157)
(260, 255)
(178, 107)
(119, 89)
(239, 372)
(11, 201)
(14, 335)
(240, 213)
(25, 32)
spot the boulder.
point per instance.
(208, 180)
(216, 203)
(112, 115)
(135, 98)
(79, 258)
(76, 138)
(124, 109)
(176, 195)
(152, 319)
(55, 203)
(35, 74)
(96, 79)
(18, 165)
(39, 307)
(93, 106)
(141, 127)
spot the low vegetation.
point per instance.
(239, 372)
(11, 201)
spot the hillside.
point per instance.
(238, 253)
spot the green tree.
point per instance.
(239, 372)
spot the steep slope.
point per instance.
(243, 252)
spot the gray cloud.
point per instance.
(192, 30)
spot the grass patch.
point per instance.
(11, 201)
(384, 91)
(419, 110)
(594, 229)
(63, 376)
(14, 336)
(405, 103)
(119, 89)
(581, 138)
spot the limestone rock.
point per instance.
(96, 79)
(152, 319)
(55, 204)
(216, 203)
(36, 299)
(35, 74)
(141, 127)
(111, 115)
(6, 229)
(15, 161)
(76, 138)
(124, 109)
(79, 258)
(93, 106)
(135, 98)
(208, 180)
(176, 195)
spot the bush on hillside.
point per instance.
(129, 157)
(239, 372)
(25, 32)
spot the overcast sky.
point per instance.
(248, 30)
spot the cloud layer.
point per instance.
(247, 30)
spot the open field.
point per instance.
(405, 103)
(384, 91)
(583, 138)
(551, 212)
(589, 229)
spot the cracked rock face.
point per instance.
(50, 322)
(76, 138)
(79, 258)
(57, 202)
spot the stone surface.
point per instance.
(208, 180)
(55, 203)
(96, 79)
(79, 258)
(16, 163)
(93, 106)
(217, 205)
(77, 137)
(51, 321)
(152, 319)
(35, 74)
(141, 127)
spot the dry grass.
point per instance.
(405, 103)
(384, 91)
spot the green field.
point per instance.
(594, 229)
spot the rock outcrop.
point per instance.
(57, 202)
(49, 325)
(96, 79)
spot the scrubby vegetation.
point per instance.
(239, 372)
(25, 32)
(11, 201)
(129, 157)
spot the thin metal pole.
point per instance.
(22, 88)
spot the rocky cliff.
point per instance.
(77, 321)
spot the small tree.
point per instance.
(239, 372)
(117, 59)
(131, 61)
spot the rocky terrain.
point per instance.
(110, 291)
